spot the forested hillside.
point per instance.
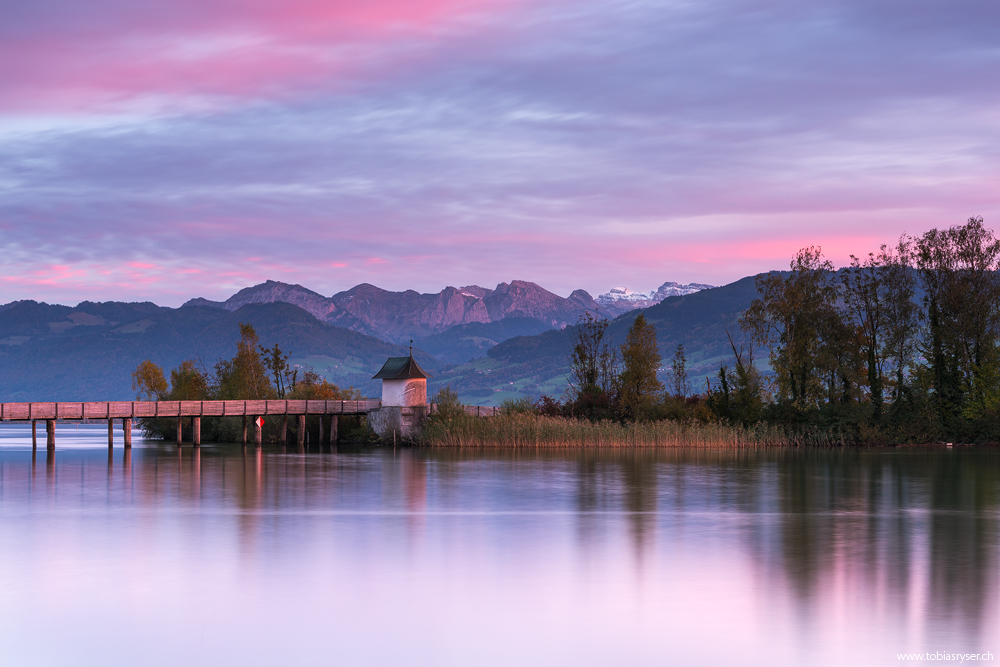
(88, 352)
(535, 365)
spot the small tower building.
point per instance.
(404, 398)
(404, 383)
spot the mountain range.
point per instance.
(402, 316)
(488, 343)
(536, 365)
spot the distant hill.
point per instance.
(537, 364)
(509, 341)
(465, 342)
(88, 352)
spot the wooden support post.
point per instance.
(244, 429)
(322, 418)
(196, 431)
(50, 433)
(334, 419)
(180, 431)
(258, 433)
(284, 430)
(111, 433)
(127, 430)
(302, 430)
(34, 434)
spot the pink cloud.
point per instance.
(570, 143)
(208, 50)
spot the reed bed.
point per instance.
(535, 431)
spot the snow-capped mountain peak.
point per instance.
(618, 300)
(625, 294)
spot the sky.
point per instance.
(154, 150)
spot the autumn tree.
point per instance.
(878, 298)
(837, 358)
(787, 318)
(244, 376)
(637, 384)
(864, 289)
(148, 382)
(187, 383)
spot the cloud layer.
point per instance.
(159, 151)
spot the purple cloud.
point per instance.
(577, 144)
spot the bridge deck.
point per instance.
(138, 409)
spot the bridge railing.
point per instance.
(139, 409)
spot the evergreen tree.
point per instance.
(638, 385)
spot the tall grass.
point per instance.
(530, 430)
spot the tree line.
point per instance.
(902, 345)
(619, 382)
(255, 372)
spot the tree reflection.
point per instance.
(962, 535)
(911, 534)
(639, 474)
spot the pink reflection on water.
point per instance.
(258, 556)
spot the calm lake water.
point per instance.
(226, 556)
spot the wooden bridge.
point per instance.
(127, 411)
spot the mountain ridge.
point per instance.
(401, 316)
(538, 364)
(410, 315)
(509, 341)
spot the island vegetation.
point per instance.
(254, 372)
(900, 347)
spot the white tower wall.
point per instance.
(408, 392)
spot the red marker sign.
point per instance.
(259, 422)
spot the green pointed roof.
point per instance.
(400, 368)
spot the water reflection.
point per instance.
(589, 557)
